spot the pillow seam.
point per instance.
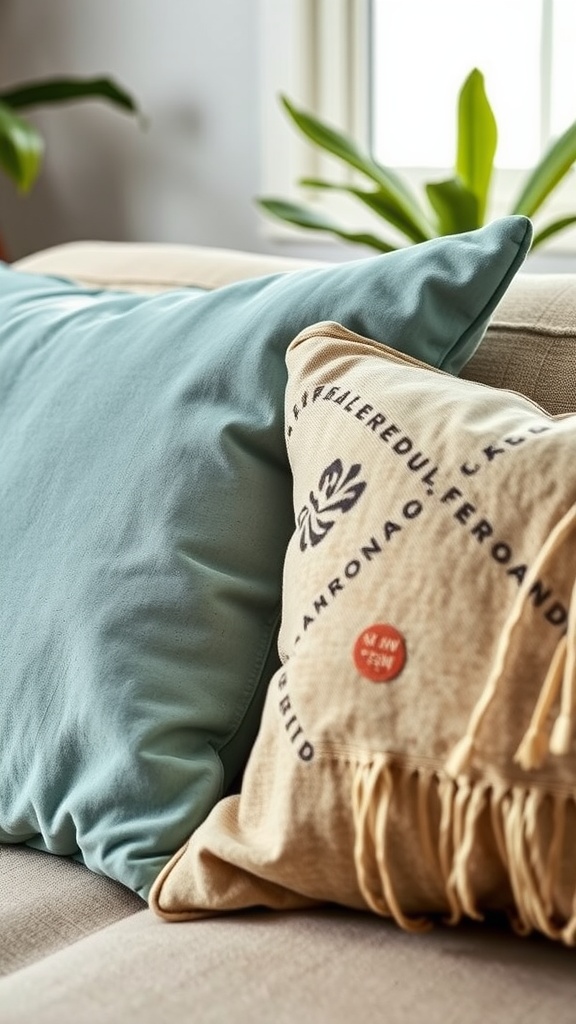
(492, 302)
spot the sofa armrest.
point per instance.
(530, 344)
(154, 267)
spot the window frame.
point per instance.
(313, 51)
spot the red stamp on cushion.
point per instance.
(380, 653)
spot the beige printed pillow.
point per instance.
(416, 754)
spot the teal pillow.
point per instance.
(145, 503)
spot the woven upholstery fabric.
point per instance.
(329, 967)
(47, 903)
(530, 345)
(416, 754)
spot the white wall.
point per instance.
(192, 175)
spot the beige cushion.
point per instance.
(330, 967)
(154, 267)
(47, 903)
(416, 751)
(530, 345)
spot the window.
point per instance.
(517, 44)
(389, 71)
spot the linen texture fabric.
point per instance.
(145, 503)
(416, 753)
(530, 344)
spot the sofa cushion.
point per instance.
(530, 344)
(416, 753)
(48, 903)
(145, 503)
(328, 966)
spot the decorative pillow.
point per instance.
(412, 758)
(145, 502)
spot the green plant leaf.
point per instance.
(375, 199)
(477, 140)
(63, 90)
(552, 229)
(339, 145)
(456, 206)
(21, 149)
(548, 173)
(304, 217)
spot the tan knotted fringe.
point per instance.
(536, 743)
(372, 792)
(528, 826)
(527, 830)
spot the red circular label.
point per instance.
(380, 653)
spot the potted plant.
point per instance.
(21, 144)
(460, 203)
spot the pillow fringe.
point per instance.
(530, 830)
(535, 744)
(372, 793)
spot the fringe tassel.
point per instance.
(527, 828)
(460, 876)
(371, 797)
(535, 745)
(562, 733)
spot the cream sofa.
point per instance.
(77, 946)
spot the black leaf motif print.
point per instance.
(337, 492)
